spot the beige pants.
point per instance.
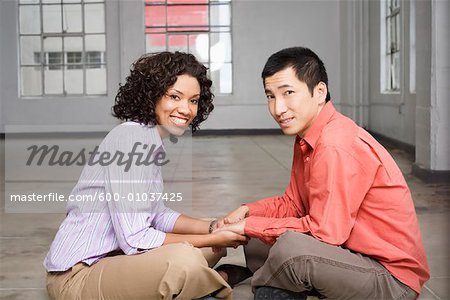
(175, 271)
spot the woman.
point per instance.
(126, 249)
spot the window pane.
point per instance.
(51, 1)
(192, 15)
(73, 44)
(53, 82)
(156, 42)
(95, 42)
(388, 35)
(55, 60)
(396, 72)
(29, 47)
(186, 1)
(51, 16)
(93, 59)
(397, 33)
(73, 47)
(220, 47)
(95, 47)
(220, 15)
(72, 18)
(28, 1)
(94, 21)
(178, 43)
(74, 60)
(52, 44)
(96, 81)
(221, 77)
(73, 80)
(199, 46)
(155, 16)
(393, 35)
(72, 1)
(53, 55)
(30, 19)
(31, 84)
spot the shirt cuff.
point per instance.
(254, 226)
(255, 209)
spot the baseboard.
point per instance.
(223, 132)
(387, 141)
(430, 176)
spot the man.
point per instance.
(346, 226)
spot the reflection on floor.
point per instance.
(226, 171)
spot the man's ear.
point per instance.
(321, 91)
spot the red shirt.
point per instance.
(346, 190)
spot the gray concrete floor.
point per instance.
(226, 171)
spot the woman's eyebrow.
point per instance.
(179, 92)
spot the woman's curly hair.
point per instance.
(150, 77)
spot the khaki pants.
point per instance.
(299, 262)
(175, 271)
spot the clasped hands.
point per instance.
(232, 227)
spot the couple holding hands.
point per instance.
(345, 228)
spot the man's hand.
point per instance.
(238, 228)
(233, 217)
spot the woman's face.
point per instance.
(178, 107)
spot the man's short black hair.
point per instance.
(308, 67)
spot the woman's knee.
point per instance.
(185, 255)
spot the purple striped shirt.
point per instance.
(95, 227)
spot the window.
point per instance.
(200, 27)
(55, 60)
(62, 47)
(74, 60)
(94, 59)
(390, 35)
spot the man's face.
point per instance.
(290, 101)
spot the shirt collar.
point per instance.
(319, 123)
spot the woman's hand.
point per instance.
(225, 238)
(238, 228)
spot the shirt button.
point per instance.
(307, 159)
